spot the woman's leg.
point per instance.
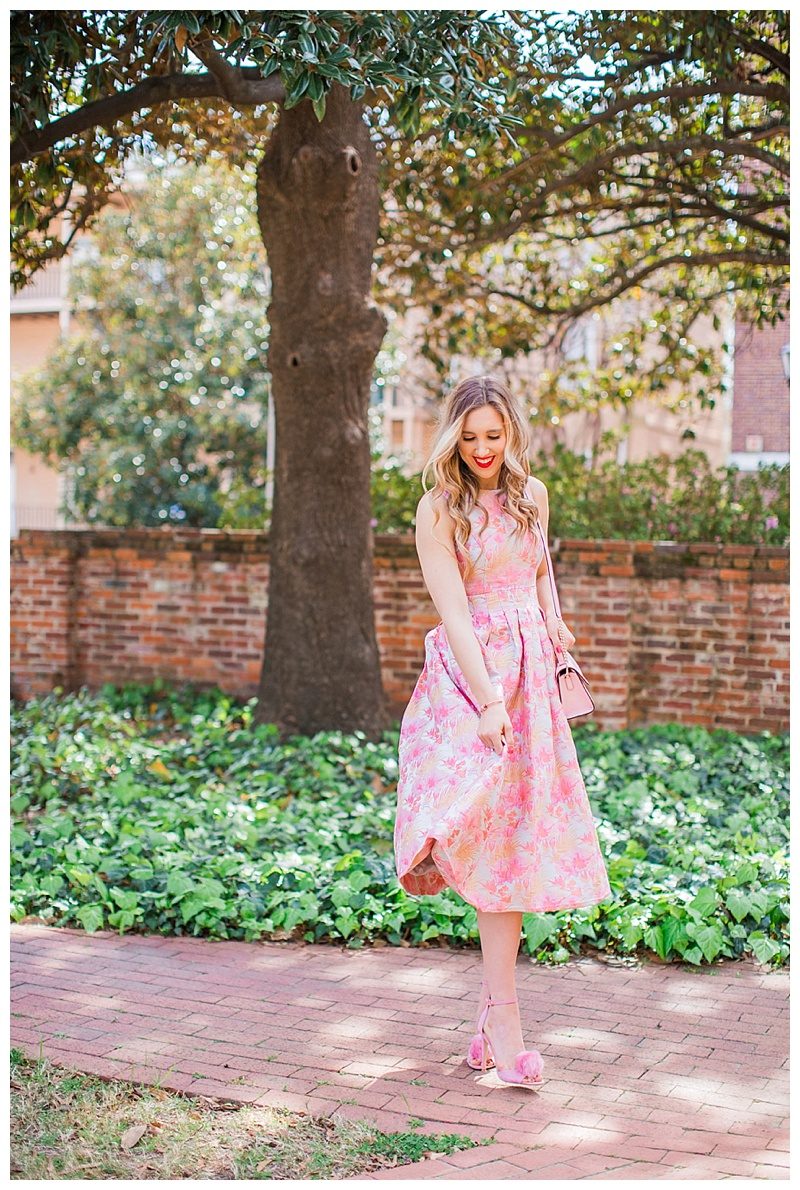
(500, 938)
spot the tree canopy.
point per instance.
(535, 167)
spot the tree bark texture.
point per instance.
(318, 210)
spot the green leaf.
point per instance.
(345, 923)
(308, 46)
(18, 837)
(125, 898)
(51, 884)
(189, 20)
(631, 933)
(704, 902)
(738, 903)
(762, 947)
(179, 884)
(693, 955)
(759, 902)
(662, 937)
(359, 880)
(122, 919)
(341, 895)
(297, 90)
(90, 917)
(269, 65)
(80, 876)
(710, 940)
(537, 928)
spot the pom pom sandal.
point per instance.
(528, 1064)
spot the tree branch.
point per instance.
(759, 48)
(630, 280)
(686, 201)
(584, 174)
(676, 92)
(149, 93)
(757, 132)
(237, 86)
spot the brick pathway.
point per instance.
(653, 1071)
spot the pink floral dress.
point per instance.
(512, 831)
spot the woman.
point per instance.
(490, 796)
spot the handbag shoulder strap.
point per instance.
(556, 603)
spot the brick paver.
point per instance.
(652, 1070)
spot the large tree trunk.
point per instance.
(318, 209)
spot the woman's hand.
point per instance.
(559, 634)
(495, 728)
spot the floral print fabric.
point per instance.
(513, 831)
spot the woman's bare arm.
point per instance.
(446, 588)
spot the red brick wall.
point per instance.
(665, 632)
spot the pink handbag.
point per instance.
(573, 688)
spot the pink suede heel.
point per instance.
(475, 1051)
(528, 1064)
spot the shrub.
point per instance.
(658, 499)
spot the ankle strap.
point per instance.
(491, 1000)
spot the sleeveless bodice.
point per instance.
(505, 562)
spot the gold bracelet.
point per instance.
(500, 697)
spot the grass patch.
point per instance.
(67, 1125)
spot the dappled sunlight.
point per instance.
(644, 1063)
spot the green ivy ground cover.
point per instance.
(165, 810)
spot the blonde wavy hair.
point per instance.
(452, 479)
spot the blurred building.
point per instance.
(760, 413)
(748, 424)
(406, 398)
(39, 318)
